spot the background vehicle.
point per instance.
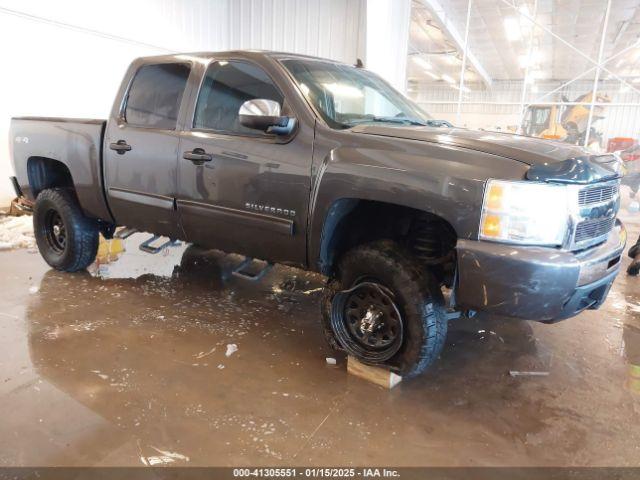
(324, 166)
(630, 157)
(565, 122)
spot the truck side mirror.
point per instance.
(264, 115)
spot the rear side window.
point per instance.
(226, 86)
(155, 95)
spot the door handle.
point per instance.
(197, 156)
(121, 146)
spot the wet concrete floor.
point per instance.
(105, 369)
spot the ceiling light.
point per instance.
(536, 56)
(447, 78)
(524, 61)
(512, 28)
(422, 63)
(531, 59)
(524, 20)
(433, 75)
(466, 89)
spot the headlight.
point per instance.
(524, 212)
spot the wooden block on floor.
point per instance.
(378, 375)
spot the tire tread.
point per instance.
(428, 306)
(84, 238)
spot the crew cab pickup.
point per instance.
(324, 166)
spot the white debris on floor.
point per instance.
(204, 354)
(517, 373)
(16, 232)
(231, 349)
(164, 458)
(100, 374)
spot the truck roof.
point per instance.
(242, 53)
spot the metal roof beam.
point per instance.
(445, 22)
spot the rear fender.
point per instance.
(42, 146)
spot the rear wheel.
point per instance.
(67, 240)
(385, 310)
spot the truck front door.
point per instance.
(242, 190)
(141, 149)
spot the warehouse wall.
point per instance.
(67, 58)
(499, 106)
(387, 36)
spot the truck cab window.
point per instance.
(155, 95)
(346, 96)
(227, 85)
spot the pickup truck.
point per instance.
(324, 166)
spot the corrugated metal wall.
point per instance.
(328, 28)
(67, 58)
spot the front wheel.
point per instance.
(383, 309)
(67, 240)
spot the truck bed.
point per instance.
(75, 143)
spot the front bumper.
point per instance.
(536, 283)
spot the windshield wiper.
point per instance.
(400, 120)
(410, 121)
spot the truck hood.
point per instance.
(550, 161)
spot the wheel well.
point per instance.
(351, 222)
(46, 173)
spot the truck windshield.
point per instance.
(346, 96)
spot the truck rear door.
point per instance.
(242, 190)
(141, 149)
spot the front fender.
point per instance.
(444, 181)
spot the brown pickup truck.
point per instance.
(324, 166)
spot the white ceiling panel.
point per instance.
(503, 51)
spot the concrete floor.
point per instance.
(106, 369)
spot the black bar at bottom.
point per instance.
(404, 473)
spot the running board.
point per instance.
(240, 271)
(148, 248)
(125, 233)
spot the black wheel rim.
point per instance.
(371, 317)
(55, 231)
(367, 322)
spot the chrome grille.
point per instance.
(600, 194)
(589, 229)
(594, 214)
